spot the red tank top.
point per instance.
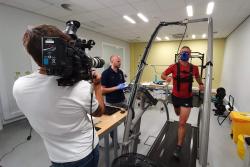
(184, 73)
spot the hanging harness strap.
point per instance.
(188, 79)
(178, 77)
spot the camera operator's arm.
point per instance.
(98, 94)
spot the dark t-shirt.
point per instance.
(184, 86)
(109, 79)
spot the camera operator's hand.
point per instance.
(96, 78)
(121, 86)
(98, 93)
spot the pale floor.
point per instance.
(222, 150)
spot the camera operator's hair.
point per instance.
(32, 40)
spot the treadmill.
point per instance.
(162, 149)
(161, 152)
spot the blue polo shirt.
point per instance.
(109, 79)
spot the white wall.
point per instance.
(236, 67)
(14, 58)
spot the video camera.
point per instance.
(69, 61)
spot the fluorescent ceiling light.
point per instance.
(141, 16)
(158, 38)
(166, 37)
(129, 19)
(189, 10)
(210, 8)
(204, 35)
(193, 36)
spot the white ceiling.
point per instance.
(106, 16)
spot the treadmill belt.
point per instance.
(164, 146)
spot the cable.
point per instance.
(91, 117)
(93, 126)
(182, 38)
(29, 137)
(5, 154)
(136, 74)
(21, 143)
(153, 66)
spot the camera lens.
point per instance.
(97, 62)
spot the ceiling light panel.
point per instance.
(129, 19)
(142, 17)
(204, 35)
(166, 37)
(210, 8)
(189, 10)
(158, 38)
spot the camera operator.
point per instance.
(59, 113)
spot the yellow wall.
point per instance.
(163, 53)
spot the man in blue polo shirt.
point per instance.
(113, 83)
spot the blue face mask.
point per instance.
(184, 56)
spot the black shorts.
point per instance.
(182, 102)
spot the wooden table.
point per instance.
(107, 124)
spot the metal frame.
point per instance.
(205, 115)
(136, 122)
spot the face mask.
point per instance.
(184, 56)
